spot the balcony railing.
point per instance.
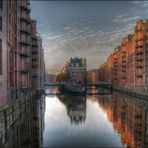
(139, 65)
(25, 54)
(123, 60)
(25, 43)
(24, 70)
(139, 45)
(123, 77)
(26, 8)
(34, 76)
(34, 58)
(138, 29)
(25, 30)
(139, 75)
(35, 38)
(123, 55)
(25, 19)
(35, 45)
(34, 51)
(139, 51)
(139, 58)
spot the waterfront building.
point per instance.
(102, 73)
(141, 55)
(76, 74)
(41, 65)
(18, 51)
(127, 66)
(92, 76)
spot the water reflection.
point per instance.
(75, 121)
(106, 120)
(24, 125)
(76, 108)
(129, 117)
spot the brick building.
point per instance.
(92, 76)
(18, 50)
(127, 66)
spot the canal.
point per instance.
(109, 120)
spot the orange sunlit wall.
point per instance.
(127, 66)
(128, 118)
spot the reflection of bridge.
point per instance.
(88, 86)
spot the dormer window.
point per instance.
(77, 64)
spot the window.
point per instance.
(1, 23)
(0, 56)
(1, 4)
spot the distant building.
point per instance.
(92, 76)
(76, 74)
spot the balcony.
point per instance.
(139, 75)
(25, 19)
(34, 76)
(25, 54)
(34, 52)
(139, 58)
(26, 8)
(34, 66)
(124, 66)
(34, 38)
(24, 70)
(25, 30)
(139, 45)
(138, 29)
(123, 70)
(34, 58)
(124, 77)
(34, 45)
(139, 65)
(123, 55)
(24, 43)
(139, 39)
(123, 60)
(139, 51)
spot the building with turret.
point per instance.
(76, 75)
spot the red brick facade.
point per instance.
(19, 51)
(127, 66)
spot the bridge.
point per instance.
(101, 84)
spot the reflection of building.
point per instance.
(129, 118)
(76, 75)
(76, 108)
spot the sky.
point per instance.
(90, 29)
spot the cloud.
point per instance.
(86, 42)
(125, 19)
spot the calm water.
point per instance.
(71, 121)
(94, 121)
